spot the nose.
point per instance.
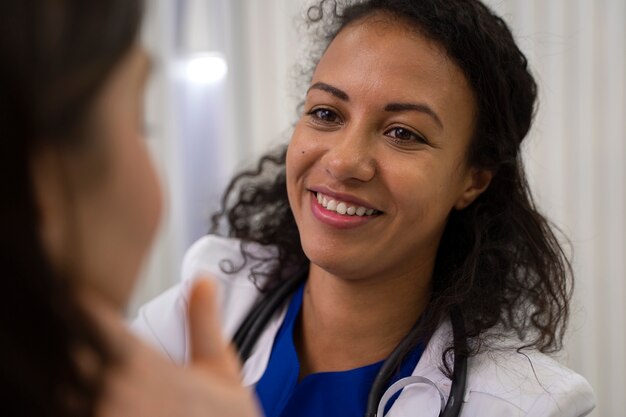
(350, 157)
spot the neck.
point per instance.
(346, 324)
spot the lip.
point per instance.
(335, 219)
(343, 197)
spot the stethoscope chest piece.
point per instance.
(400, 385)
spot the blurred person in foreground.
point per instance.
(80, 206)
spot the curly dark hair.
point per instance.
(499, 259)
(55, 56)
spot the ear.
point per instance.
(477, 181)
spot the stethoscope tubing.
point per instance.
(459, 375)
(261, 313)
(259, 316)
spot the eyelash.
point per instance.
(415, 137)
(320, 120)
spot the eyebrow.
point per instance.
(422, 108)
(391, 107)
(341, 95)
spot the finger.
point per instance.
(209, 350)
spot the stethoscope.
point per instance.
(261, 313)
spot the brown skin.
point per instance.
(100, 206)
(368, 284)
(101, 202)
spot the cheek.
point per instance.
(302, 169)
(293, 169)
(421, 190)
(302, 154)
(124, 217)
(140, 188)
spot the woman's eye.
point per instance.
(401, 134)
(324, 115)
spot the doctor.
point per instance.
(400, 208)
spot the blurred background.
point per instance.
(225, 90)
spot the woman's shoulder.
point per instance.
(532, 382)
(163, 322)
(505, 380)
(222, 257)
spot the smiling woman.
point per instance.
(395, 238)
(372, 138)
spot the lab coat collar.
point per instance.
(255, 366)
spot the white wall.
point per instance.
(575, 154)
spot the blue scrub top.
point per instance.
(327, 394)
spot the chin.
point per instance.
(335, 261)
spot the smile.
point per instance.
(342, 207)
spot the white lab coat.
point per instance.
(501, 383)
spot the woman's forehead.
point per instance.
(379, 61)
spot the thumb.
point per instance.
(209, 350)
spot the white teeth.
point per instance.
(342, 207)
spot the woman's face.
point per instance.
(102, 226)
(377, 161)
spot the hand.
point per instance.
(147, 384)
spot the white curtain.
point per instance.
(202, 131)
(575, 154)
